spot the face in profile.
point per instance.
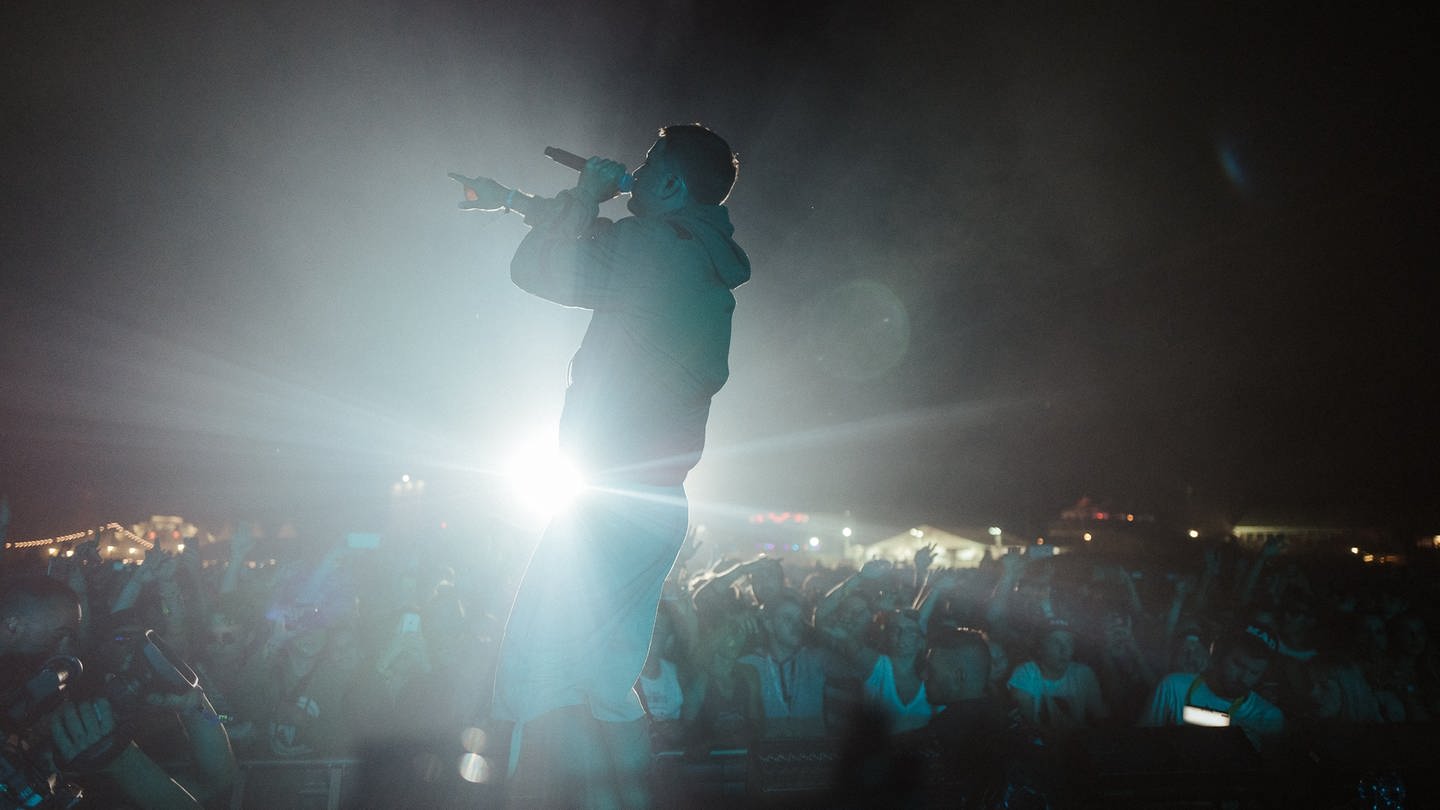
(649, 180)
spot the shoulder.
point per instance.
(1025, 676)
(1259, 707)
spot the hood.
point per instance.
(711, 225)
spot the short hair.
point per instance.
(703, 159)
(971, 643)
(1254, 640)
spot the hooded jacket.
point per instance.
(657, 348)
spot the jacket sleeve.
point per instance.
(571, 256)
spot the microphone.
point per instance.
(570, 160)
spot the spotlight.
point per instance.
(542, 481)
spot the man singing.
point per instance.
(659, 286)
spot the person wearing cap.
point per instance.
(1224, 694)
(1054, 691)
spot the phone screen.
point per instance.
(1196, 716)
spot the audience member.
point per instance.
(1053, 691)
(1224, 694)
(791, 670)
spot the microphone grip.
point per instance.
(570, 160)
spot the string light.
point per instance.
(119, 530)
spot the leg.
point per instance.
(628, 746)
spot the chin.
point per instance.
(635, 206)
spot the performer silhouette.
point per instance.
(656, 351)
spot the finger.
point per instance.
(89, 720)
(60, 735)
(468, 183)
(70, 721)
(104, 716)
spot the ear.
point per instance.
(674, 186)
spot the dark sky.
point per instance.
(1004, 256)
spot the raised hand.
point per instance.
(481, 193)
(924, 556)
(84, 734)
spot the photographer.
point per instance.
(159, 702)
(78, 740)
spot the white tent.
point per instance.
(957, 549)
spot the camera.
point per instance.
(26, 777)
(142, 663)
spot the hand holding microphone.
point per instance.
(600, 180)
(623, 182)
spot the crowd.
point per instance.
(385, 655)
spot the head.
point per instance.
(1297, 622)
(728, 637)
(1339, 692)
(957, 666)
(767, 581)
(853, 615)
(687, 165)
(1239, 661)
(38, 617)
(226, 634)
(1190, 653)
(901, 636)
(784, 621)
(1056, 650)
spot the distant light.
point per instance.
(917, 533)
(179, 546)
(474, 768)
(1088, 537)
(109, 549)
(1368, 558)
(54, 551)
(845, 532)
(1354, 549)
(132, 551)
(814, 542)
(769, 546)
(405, 479)
(794, 546)
(994, 531)
(1039, 541)
(1194, 533)
(69, 552)
(1130, 518)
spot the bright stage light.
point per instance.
(474, 768)
(542, 481)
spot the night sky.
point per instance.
(1003, 257)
